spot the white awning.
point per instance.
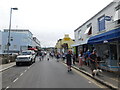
(87, 30)
(117, 15)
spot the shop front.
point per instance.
(108, 49)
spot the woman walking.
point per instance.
(80, 57)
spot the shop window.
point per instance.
(113, 52)
(101, 23)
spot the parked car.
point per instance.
(27, 57)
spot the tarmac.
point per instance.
(109, 79)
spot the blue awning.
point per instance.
(109, 36)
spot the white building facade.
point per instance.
(102, 32)
(19, 40)
(0, 41)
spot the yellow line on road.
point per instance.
(88, 78)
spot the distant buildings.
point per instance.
(64, 44)
(102, 32)
(20, 39)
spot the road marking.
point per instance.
(25, 71)
(15, 80)
(21, 74)
(114, 79)
(88, 78)
(89, 82)
(6, 87)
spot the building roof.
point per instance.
(17, 30)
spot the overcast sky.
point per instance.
(49, 20)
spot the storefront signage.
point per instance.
(107, 18)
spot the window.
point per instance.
(79, 34)
(101, 23)
(88, 30)
(6, 46)
(0, 47)
(113, 52)
(117, 15)
(11, 38)
(15, 47)
(117, 8)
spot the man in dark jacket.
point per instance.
(69, 60)
(93, 61)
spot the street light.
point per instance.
(8, 44)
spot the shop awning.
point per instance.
(105, 37)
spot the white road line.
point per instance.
(21, 74)
(15, 80)
(6, 87)
(25, 71)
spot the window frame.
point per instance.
(100, 27)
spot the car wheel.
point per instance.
(17, 64)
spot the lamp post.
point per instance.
(8, 44)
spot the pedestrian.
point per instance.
(74, 59)
(87, 54)
(93, 61)
(57, 57)
(80, 57)
(63, 56)
(40, 55)
(69, 60)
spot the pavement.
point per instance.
(6, 66)
(108, 79)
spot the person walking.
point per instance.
(80, 57)
(87, 54)
(69, 60)
(58, 56)
(74, 59)
(93, 61)
(40, 55)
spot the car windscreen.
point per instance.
(26, 53)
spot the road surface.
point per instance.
(46, 74)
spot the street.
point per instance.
(46, 74)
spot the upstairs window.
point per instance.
(117, 15)
(101, 23)
(88, 30)
(79, 34)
